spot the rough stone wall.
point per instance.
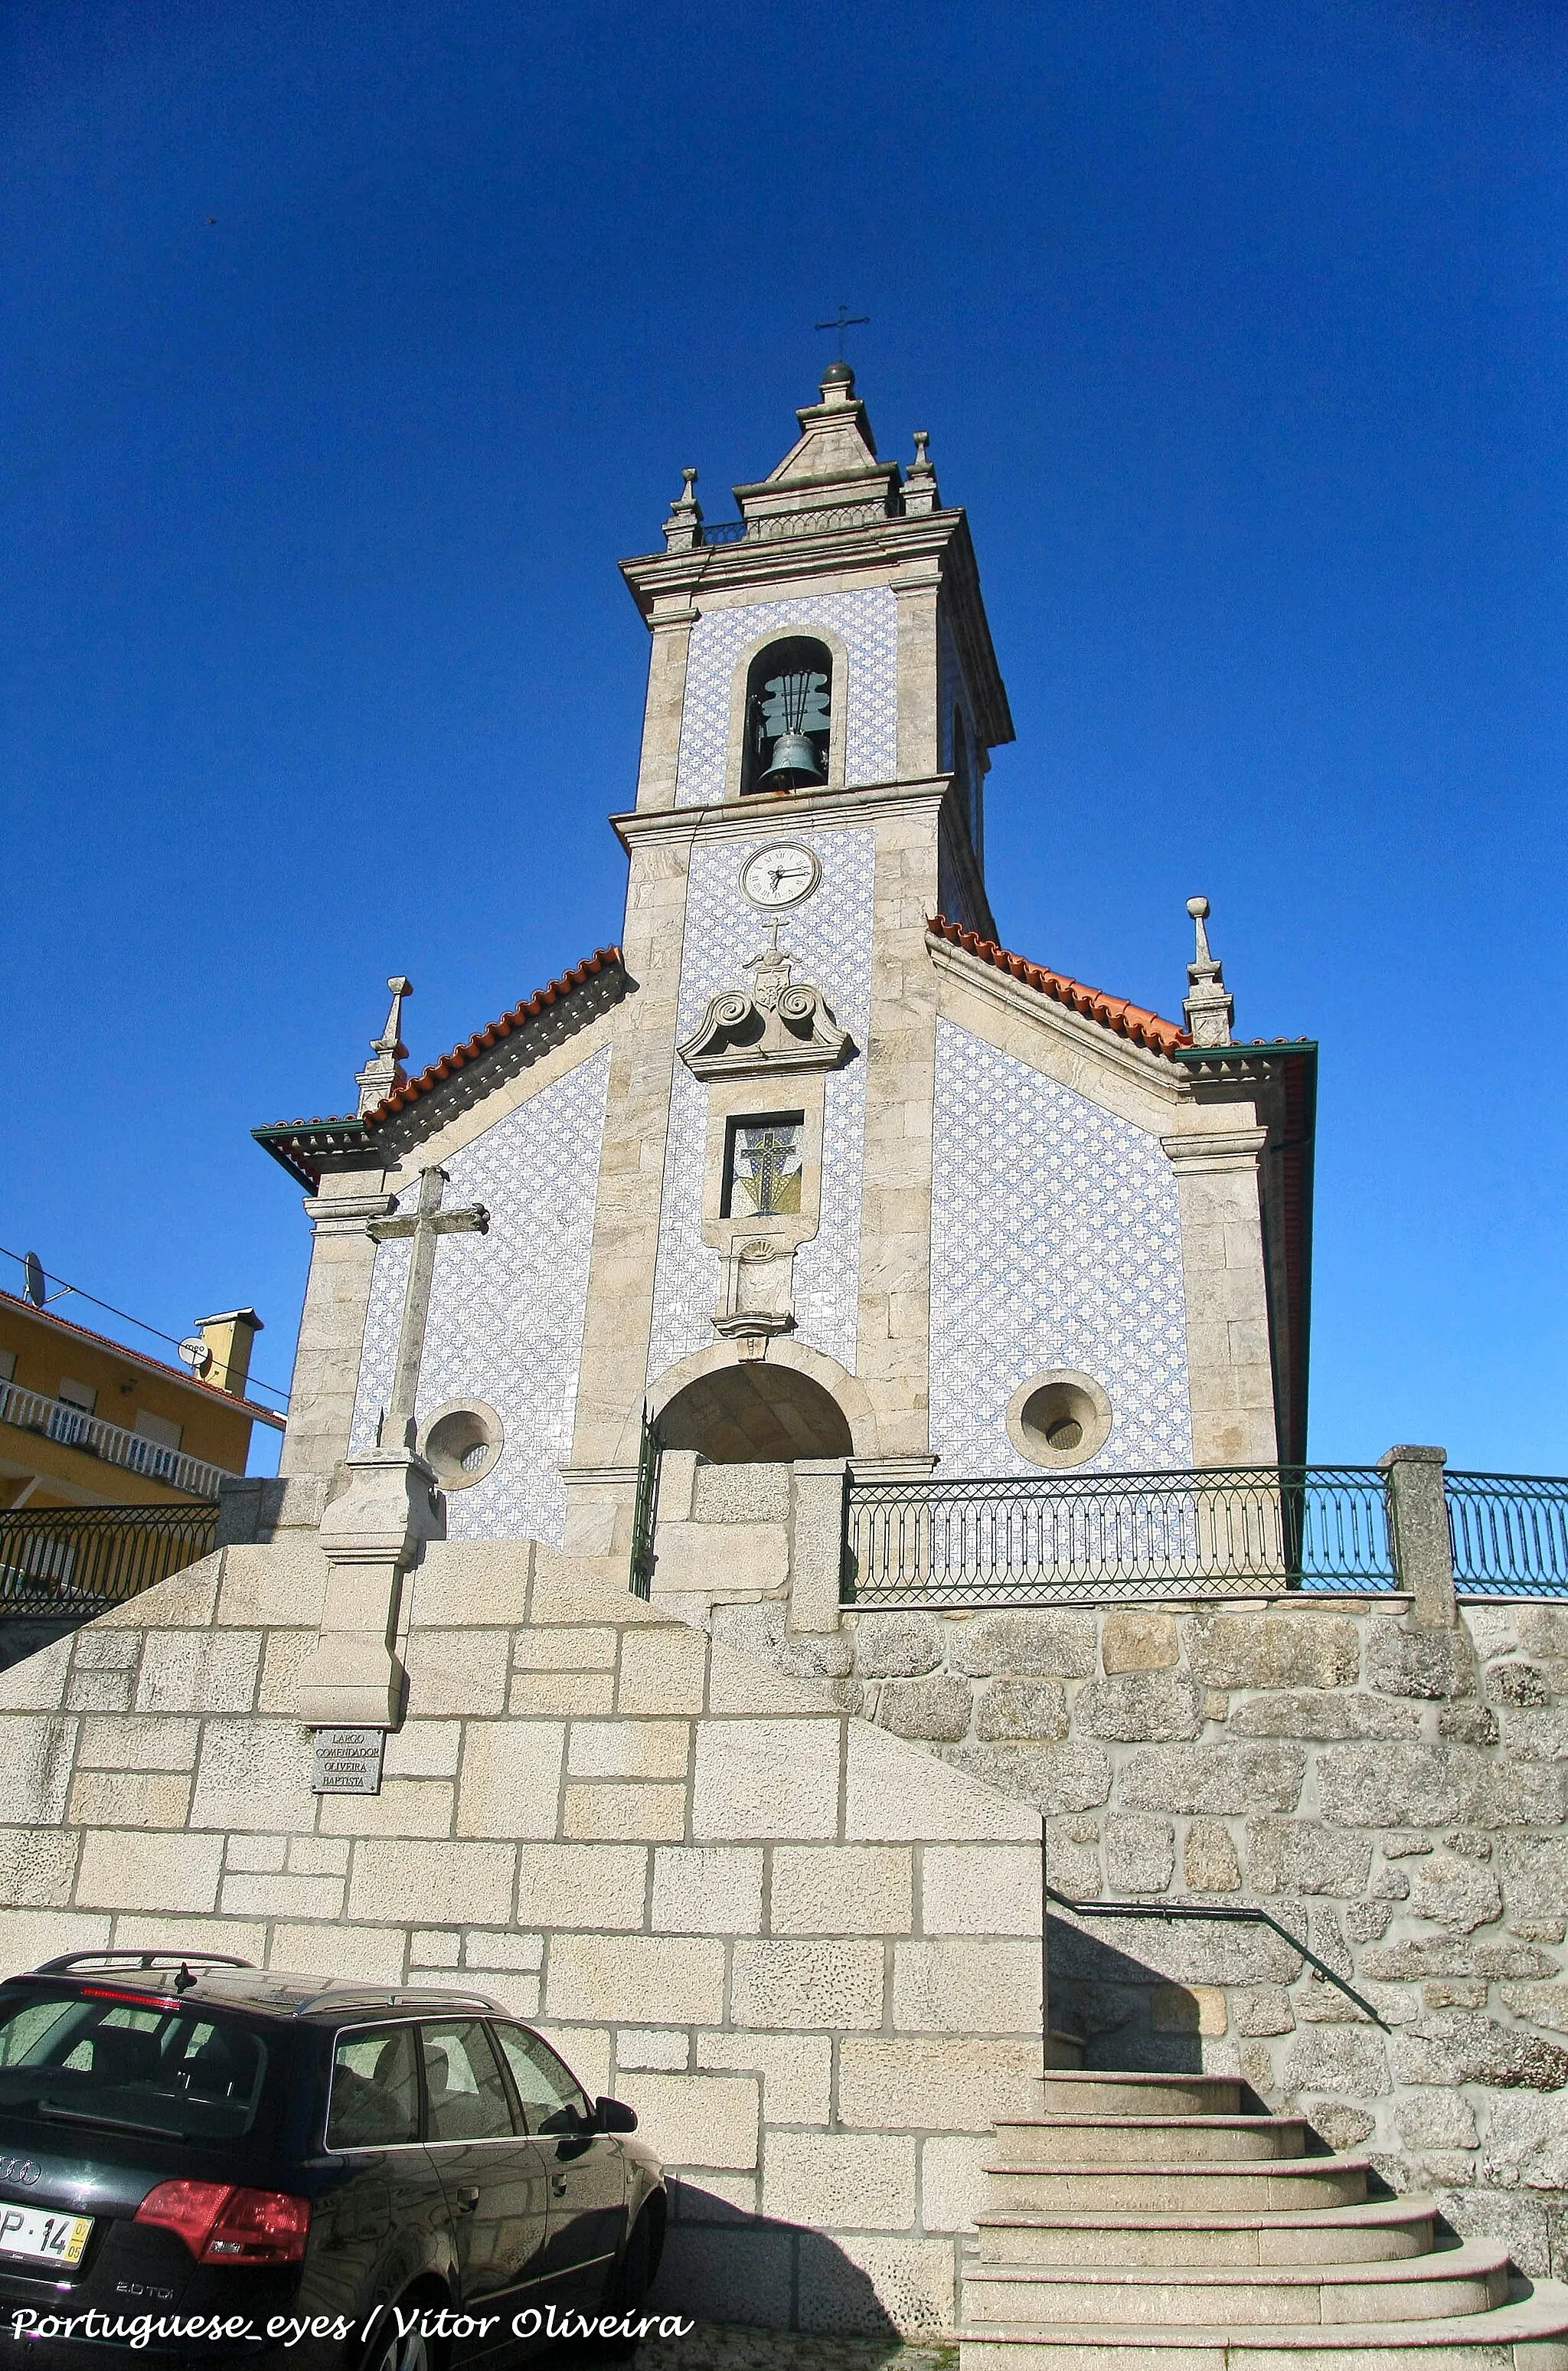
(1393, 1798)
(809, 1953)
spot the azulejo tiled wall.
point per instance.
(867, 624)
(1054, 1243)
(507, 1308)
(830, 936)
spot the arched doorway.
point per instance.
(756, 1414)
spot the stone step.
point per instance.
(1444, 2286)
(1383, 2230)
(1086, 2092)
(1530, 2333)
(1148, 2140)
(1258, 2186)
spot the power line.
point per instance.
(253, 1382)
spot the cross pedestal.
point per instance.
(376, 1528)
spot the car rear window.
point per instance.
(190, 2071)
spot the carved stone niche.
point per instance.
(764, 1052)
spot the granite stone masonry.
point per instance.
(1393, 1798)
(807, 1952)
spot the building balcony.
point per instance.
(72, 1428)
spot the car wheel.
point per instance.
(388, 2351)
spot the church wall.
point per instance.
(808, 1954)
(831, 936)
(1056, 1244)
(1393, 1798)
(508, 1307)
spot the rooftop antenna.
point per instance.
(35, 1283)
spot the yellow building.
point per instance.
(85, 1422)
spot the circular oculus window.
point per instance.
(1058, 1418)
(461, 1441)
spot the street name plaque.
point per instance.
(347, 1762)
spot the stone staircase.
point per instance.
(1150, 2222)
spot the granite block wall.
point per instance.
(730, 1902)
(1394, 1798)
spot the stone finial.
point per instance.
(1209, 1006)
(682, 528)
(384, 1072)
(920, 494)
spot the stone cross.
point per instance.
(424, 1225)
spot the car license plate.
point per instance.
(46, 2239)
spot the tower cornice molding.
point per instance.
(763, 818)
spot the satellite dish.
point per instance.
(196, 1354)
(34, 1279)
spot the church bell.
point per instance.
(794, 764)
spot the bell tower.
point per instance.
(822, 697)
(830, 640)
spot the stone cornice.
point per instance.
(1217, 1149)
(767, 818)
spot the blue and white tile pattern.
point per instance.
(830, 936)
(1054, 1243)
(507, 1308)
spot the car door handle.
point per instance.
(558, 2184)
(468, 2199)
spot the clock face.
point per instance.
(780, 876)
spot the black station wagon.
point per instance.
(200, 2162)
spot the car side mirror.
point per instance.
(614, 2115)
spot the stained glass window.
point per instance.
(762, 1172)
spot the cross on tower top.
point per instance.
(844, 320)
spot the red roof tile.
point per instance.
(483, 1039)
(1112, 1013)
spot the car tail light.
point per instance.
(221, 2225)
(260, 2226)
(189, 2207)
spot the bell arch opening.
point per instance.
(756, 1415)
(789, 717)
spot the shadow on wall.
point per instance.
(1129, 2016)
(723, 2264)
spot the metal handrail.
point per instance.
(72, 1427)
(1234, 1914)
(76, 1560)
(1200, 1531)
(645, 1507)
(1508, 1532)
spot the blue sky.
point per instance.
(348, 346)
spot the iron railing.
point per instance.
(76, 1560)
(72, 1427)
(1200, 1533)
(645, 1507)
(1230, 1913)
(1509, 1533)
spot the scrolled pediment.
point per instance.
(775, 1026)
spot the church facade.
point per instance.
(535, 1673)
(865, 1184)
